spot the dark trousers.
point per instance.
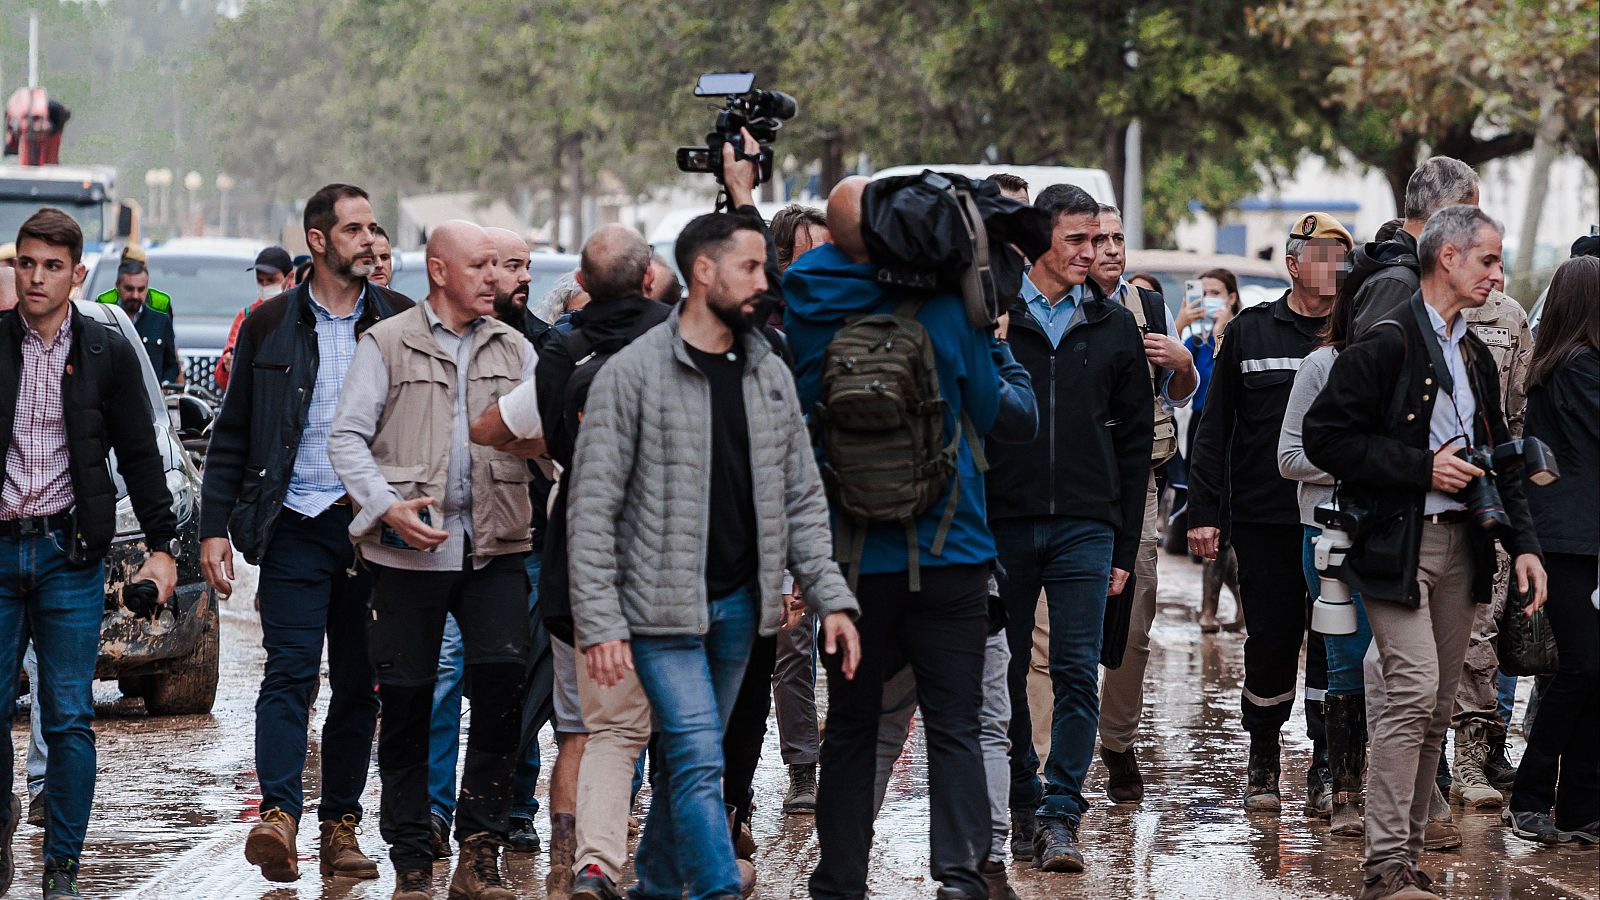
(408, 610)
(1272, 586)
(747, 727)
(940, 632)
(311, 589)
(1566, 730)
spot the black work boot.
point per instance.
(8, 830)
(1498, 768)
(1261, 789)
(1124, 783)
(521, 837)
(60, 879)
(1055, 846)
(1023, 826)
(994, 876)
(1347, 726)
(439, 835)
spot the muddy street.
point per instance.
(176, 795)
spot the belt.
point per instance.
(1449, 517)
(28, 526)
(344, 500)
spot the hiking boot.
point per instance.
(1023, 826)
(1471, 787)
(439, 835)
(1347, 751)
(1319, 792)
(340, 854)
(521, 837)
(1055, 846)
(8, 829)
(747, 877)
(60, 880)
(412, 884)
(594, 884)
(1124, 784)
(563, 847)
(1397, 882)
(744, 842)
(1497, 768)
(271, 846)
(1261, 790)
(1532, 826)
(478, 871)
(1441, 832)
(36, 810)
(994, 875)
(1587, 835)
(802, 797)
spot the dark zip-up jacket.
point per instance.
(257, 434)
(1369, 428)
(1382, 279)
(103, 408)
(1091, 456)
(1233, 466)
(1564, 412)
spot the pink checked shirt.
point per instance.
(37, 480)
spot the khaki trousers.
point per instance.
(1420, 652)
(618, 719)
(1122, 688)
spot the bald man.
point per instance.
(443, 526)
(940, 630)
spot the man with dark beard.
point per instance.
(270, 487)
(692, 476)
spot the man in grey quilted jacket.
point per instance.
(693, 485)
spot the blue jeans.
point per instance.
(61, 604)
(1070, 558)
(444, 729)
(1508, 696)
(692, 682)
(1345, 651)
(307, 597)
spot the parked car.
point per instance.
(209, 280)
(171, 660)
(411, 272)
(1260, 280)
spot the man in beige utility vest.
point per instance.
(443, 525)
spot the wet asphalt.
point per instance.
(176, 797)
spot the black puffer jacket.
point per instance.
(103, 408)
(257, 434)
(1382, 278)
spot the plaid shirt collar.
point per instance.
(63, 334)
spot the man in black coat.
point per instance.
(1399, 404)
(269, 486)
(71, 393)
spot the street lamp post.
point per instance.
(225, 184)
(192, 182)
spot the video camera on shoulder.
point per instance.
(1481, 496)
(762, 112)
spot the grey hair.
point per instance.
(554, 302)
(1454, 226)
(1108, 208)
(1439, 182)
(1294, 247)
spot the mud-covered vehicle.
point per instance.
(170, 660)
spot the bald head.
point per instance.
(512, 278)
(613, 263)
(462, 268)
(844, 217)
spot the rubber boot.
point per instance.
(1347, 751)
(1319, 777)
(563, 848)
(1210, 596)
(1261, 790)
(1470, 787)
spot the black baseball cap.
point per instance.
(273, 259)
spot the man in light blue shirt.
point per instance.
(1451, 422)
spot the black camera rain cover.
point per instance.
(910, 223)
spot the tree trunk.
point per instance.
(575, 157)
(556, 193)
(832, 163)
(1112, 147)
(1551, 125)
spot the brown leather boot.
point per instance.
(413, 884)
(478, 871)
(341, 855)
(563, 847)
(271, 846)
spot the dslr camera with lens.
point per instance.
(745, 107)
(1342, 524)
(1481, 496)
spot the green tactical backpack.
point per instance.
(881, 423)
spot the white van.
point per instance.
(1095, 181)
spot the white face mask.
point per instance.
(268, 291)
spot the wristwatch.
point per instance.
(174, 549)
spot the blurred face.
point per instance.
(1319, 268)
(45, 277)
(1473, 272)
(1110, 259)
(735, 279)
(132, 290)
(382, 261)
(347, 250)
(1072, 251)
(511, 277)
(271, 283)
